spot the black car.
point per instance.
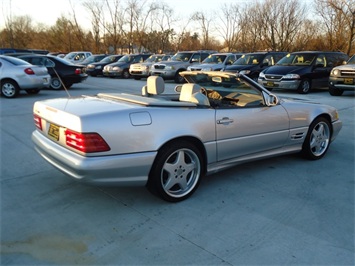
(93, 58)
(302, 71)
(95, 69)
(121, 67)
(253, 63)
(63, 73)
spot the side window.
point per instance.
(268, 60)
(196, 58)
(37, 61)
(321, 61)
(49, 63)
(230, 60)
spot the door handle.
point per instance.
(225, 120)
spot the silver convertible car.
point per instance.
(169, 142)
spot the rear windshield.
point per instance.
(15, 61)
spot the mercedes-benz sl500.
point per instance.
(169, 142)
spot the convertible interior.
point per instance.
(227, 94)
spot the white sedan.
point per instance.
(17, 74)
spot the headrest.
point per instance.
(187, 90)
(155, 85)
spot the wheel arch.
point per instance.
(9, 79)
(196, 142)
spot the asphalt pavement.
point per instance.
(279, 211)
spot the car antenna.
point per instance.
(65, 88)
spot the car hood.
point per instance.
(283, 70)
(349, 66)
(171, 63)
(210, 65)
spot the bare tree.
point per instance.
(229, 29)
(205, 24)
(338, 19)
(281, 21)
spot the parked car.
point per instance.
(77, 56)
(121, 67)
(252, 64)
(169, 70)
(215, 62)
(95, 69)
(301, 71)
(63, 73)
(17, 74)
(93, 58)
(342, 78)
(120, 138)
(143, 70)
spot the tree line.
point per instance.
(126, 26)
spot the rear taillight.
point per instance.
(85, 142)
(77, 71)
(38, 121)
(29, 71)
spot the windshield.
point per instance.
(300, 59)
(227, 91)
(70, 55)
(154, 58)
(185, 57)
(214, 59)
(351, 60)
(126, 59)
(109, 59)
(250, 59)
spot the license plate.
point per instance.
(53, 131)
(270, 84)
(348, 81)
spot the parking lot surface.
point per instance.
(280, 211)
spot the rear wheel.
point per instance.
(304, 87)
(56, 84)
(176, 172)
(317, 140)
(9, 89)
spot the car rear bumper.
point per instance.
(125, 169)
(35, 82)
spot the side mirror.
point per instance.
(271, 99)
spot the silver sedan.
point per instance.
(17, 74)
(169, 142)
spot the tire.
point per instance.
(9, 89)
(125, 74)
(178, 78)
(56, 84)
(304, 87)
(176, 172)
(334, 91)
(317, 140)
(32, 91)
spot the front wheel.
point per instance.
(125, 74)
(335, 92)
(304, 87)
(178, 78)
(176, 172)
(317, 140)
